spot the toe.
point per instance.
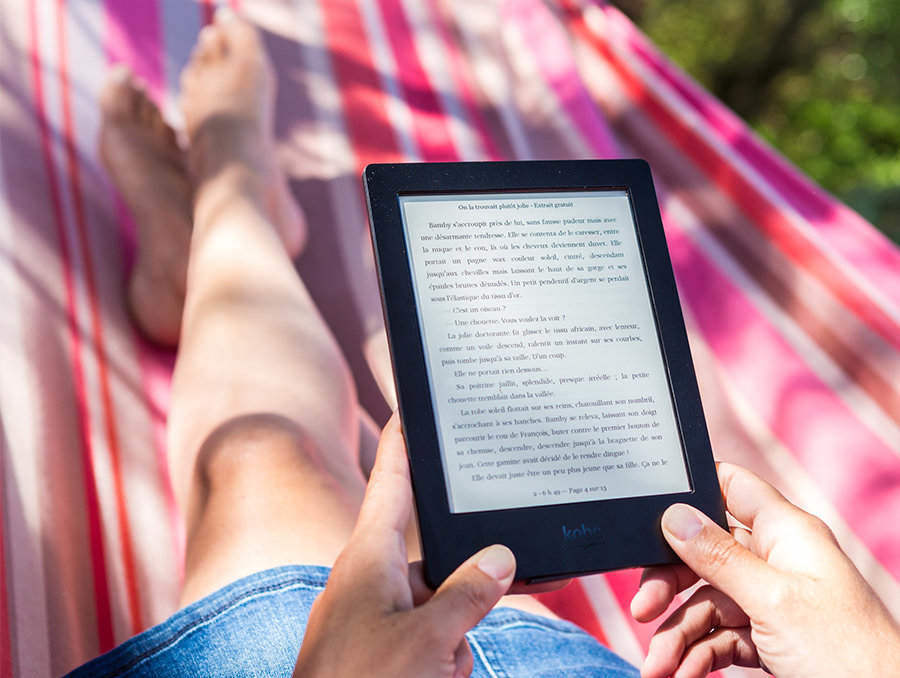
(210, 44)
(237, 31)
(119, 94)
(144, 107)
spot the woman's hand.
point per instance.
(781, 594)
(376, 615)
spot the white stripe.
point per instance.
(21, 458)
(397, 109)
(477, 22)
(595, 21)
(435, 62)
(819, 362)
(476, 647)
(611, 616)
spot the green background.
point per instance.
(818, 79)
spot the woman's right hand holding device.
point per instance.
(781, 594)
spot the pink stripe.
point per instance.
(555, 60)
(134, 37)
(429, 124)
(857, 471)
(867, 250)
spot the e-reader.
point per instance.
(542, 368)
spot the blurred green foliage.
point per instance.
(818, 79)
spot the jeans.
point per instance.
(254, 627)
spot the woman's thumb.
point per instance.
(472, 590)
(714, 555)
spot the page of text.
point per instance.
(546, 373)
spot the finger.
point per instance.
(747, 495)
(470, 592)
(714, 555)
(720, 649)
(465, 662)
(387, 505)
(704, 611)
(659, 586)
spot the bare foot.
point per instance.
(148, 168)
(228, 96)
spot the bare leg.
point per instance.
(263, 432)
(264, 422)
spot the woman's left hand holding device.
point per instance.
(377, 616)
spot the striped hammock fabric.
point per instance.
(792, 300)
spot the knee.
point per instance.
(252, 448)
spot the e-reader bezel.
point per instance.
(629, 534)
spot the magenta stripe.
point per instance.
(854, 468)
(865, 249)
(553, 54)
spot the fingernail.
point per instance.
(497, 562)
(681, 522)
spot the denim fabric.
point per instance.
(254, 626)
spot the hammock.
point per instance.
(792, 300)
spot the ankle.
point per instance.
(223, 143)
(233, 186)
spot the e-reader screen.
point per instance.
(547, 378)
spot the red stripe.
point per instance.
(98, 563)
(434, 140)
(112, 435)
(363, 102)
(209, 10)
(573, 604)
(769, 219)
(429, 123)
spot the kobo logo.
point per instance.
(581, 532)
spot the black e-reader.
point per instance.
(543, 373)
